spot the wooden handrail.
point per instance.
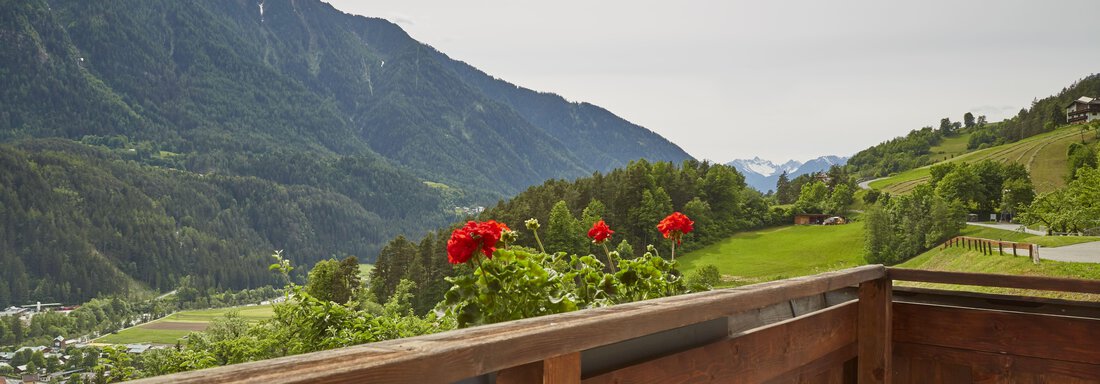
(464, 353)
(994, 280)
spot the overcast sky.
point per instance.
(780, 80)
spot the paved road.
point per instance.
(867, 184)
(1081, 253)
(1009, 227)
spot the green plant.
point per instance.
(518, 283)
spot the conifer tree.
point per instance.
(564, 232)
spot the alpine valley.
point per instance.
(146, 141)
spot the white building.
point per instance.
(1083, 110)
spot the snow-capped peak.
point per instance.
(764, 167)
(762, 174)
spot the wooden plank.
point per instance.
(874, 332)
(994, 280)
(829, 368)
(1021, 334)
(997, 368)
(754, 357)
(1013, 303)
(460, 354)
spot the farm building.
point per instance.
(809, 218)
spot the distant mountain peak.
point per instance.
(762, 174)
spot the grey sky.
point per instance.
(780, 80)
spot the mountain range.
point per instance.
(150, 140)
(762, 174)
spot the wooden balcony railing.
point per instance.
(837, 327)
(1091, 108)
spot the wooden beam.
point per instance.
(564, 369)
(1022, 334)
(993, 280)
(459, 354)
(995, 367)
(875, 329)
(816, 341)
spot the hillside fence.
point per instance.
(988, 246)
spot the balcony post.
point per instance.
(564, 369)
(874, 335)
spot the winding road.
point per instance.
(867, 184)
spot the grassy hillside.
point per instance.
(950, 147)
(959, 259)
(781, 252)
(962, 260)
(1043, 155)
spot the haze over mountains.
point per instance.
(762, 174)
(213, 132)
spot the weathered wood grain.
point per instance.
(758, 356)
(564, 369)
(874, 331)
(984, 367)
(1014, 333)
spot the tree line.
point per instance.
(631, 200)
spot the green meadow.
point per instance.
(781, 252)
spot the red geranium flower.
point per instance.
(471, 237)
(675, 225)
(461, 246)
(600, 232)
(489, 233)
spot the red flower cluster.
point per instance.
(600, 232)
(675, 225)
(468, 239)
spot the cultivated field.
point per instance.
(180, 324)
(781, 252)
(1043, 155)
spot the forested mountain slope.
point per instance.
(287, 125)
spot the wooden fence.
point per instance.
(839, 327)
(988, 246)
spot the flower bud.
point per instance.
(509, 236)
(532, 224)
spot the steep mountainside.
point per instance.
(311, 130)
(762, 174)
